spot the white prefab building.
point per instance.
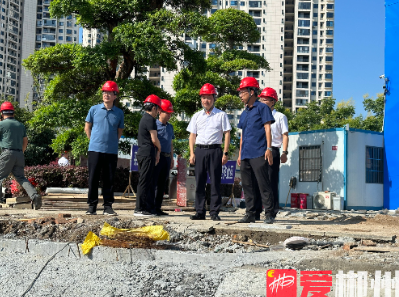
(349, 162)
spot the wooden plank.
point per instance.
(18, 200)
(376, 249)
(22, 206)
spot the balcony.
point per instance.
(301, 102)
(302, 93)
(13, 30)
(49, 23)
(47, 37)
(255, 4)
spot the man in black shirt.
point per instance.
(147, 156)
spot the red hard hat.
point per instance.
(269, 92)
(7, 106)
(166, 106)
(153, 99)
(110, 86)
(207, 89)
(248, 82)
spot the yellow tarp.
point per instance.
(90, 242)
(153, 232)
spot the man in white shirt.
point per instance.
(63, 161)
(279, 138)
(206, 129)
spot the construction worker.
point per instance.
(255, 151)
(206, 132)
(13, 142)
(279, 138)
(166, 163)
(148, 156)
(104, 126)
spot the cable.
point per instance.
(41, 270)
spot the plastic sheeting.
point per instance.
(391, 139)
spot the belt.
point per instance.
(208, 146)
(275, 148)
(9, 149)
(167, 155)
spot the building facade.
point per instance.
(92, 37)
(41, 31)
(297, 39)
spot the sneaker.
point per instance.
(215, 218)
(143, 213)
(248, 218)
(166, 196)
(269, 219)
(197, 217)
(36, 201)
(109, 212)
(91, 211)
(2, 200)
(161, 213)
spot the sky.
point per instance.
(358, 50)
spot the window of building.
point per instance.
(314, 50)
(313, 75)
(303, 32)
(328, 75)
(315, 5)
(314, 32)
(330, 15)
(68, 38)
(61, 23)
(328, 85)
(60, 38)
(329, 58)
(374, 165)
(330, 32)
(329, 50)
(313, 93)
(303, 5)
(314, 40)
(242, 3)
(327, 93)
(314, 58)
(329, 41)
(68, 31)
(315, 15)
(62, 31)
(330, 6)
(314, 67)
(314, 24)
(303, 23)
(302, 75)
(328, 67)
(330, 24)
(313, 84)
(310, 163)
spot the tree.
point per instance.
(375, 108)
(139, 34)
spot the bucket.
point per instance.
(338, 203)
(294, 200)
(303, 201)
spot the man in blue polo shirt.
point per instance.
(255, 153)
(161, 171)
(104, 126)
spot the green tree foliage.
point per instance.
(138, 34)
(375, 108)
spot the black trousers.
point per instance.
(160, 180)
(208, 160)
(145, 199)
(273, 172)
(101, 165)
(256, 185)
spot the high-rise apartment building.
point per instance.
(10, 46)
(297, 39)
(92, 37)
(41, 31)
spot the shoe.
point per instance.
(143, 213)
(3, 201)
(247, 219)
(215, 218)
(91, 211)
(257, 217)
(197, 217)
(36, 201)
(166, 196)
(161, 213)
(109, 212)
(269, 219)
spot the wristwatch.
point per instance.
(270, 149)
(285, 152)
(226, 153)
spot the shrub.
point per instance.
(52, 175)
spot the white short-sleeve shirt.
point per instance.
(279, 127)
(209, 128)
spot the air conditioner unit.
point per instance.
(323, 200)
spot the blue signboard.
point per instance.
(134, 166)
(228, 173)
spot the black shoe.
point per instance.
(247, 219)
(215, 218)
(3, 201)
(109, 212)
(143, 213)
(36, 201)
(197, 217)
(91, 211)
(161, 213)
(257, 217)
(269, 219)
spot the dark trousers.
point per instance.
(256, 185)
(145, 199)
(273, 172)
(208, 161)
(101, 164)
(160, 180)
